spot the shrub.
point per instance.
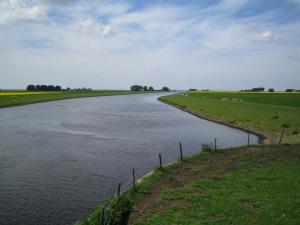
(113, 211)
(209, 147)
(284, 125)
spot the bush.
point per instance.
(209, 147)
(30, 87)
(284, 125)
(113, 211)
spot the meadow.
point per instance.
(255, 185)
(265, 113)
(246, 185)
(14, 98)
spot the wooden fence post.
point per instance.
(248, 139)
(119, 189)
(160, 161)
(133, 179)
(215, 144)
(101, 222)
(281, 137)
(180, 149)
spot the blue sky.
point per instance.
(216, 44)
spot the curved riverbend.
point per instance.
(262, 139)
(59, 159)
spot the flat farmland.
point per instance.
(14, 98)
(265, 113)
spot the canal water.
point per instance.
(59, 159)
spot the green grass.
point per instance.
(264, 191)
(22, 97)
(117, 209)
(267, 113)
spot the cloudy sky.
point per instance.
(111, 44)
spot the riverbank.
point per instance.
(264, 114)
(244, 185)
(255, 185)
(16, 98)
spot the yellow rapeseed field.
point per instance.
(14, 93)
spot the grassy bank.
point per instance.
(14, 98)
(256, 185)
(265, 113)
(116, 210)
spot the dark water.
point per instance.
(58, 160)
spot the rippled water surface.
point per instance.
(59, 159)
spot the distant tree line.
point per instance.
(32, 87)
(146, 88)
(262, 89)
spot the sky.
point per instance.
(112, 44)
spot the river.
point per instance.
(59, 159)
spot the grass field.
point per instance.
(266, 113)
(244, 186)
(13, 98)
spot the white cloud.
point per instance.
(158, 45)
(91, 25)
(265, 36)
(18, 10)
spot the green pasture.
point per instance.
(261, 188)
(15, 98)
(268, 113)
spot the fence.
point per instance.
(107, 214)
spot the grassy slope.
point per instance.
(258, 185)
(20, 98)
(267, 113)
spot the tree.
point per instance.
(50, 88)
(289, 90)
(151, 89)
(136, 88)
(259, 89)
(44, 87)
(271, 90)
(58, 88)
(145, 88)
(30, 87)
(165, 89)
(38, 87)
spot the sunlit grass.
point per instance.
(23, 97)
(16, 93)
(268, 113)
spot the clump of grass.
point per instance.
(285, 125)
(113, 211)
(275, 117)
(295, 132)
(209, 147)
